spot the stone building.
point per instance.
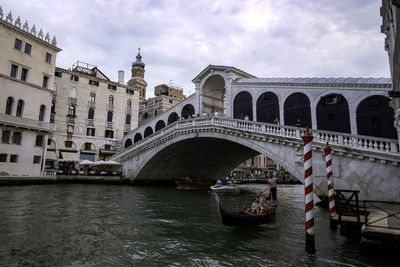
(91, 113)
(137, 82)
(166, 96)
(27, 66)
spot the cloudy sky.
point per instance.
(179, 38)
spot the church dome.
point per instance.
(138, 62)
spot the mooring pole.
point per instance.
(331, 191)
(308, 191)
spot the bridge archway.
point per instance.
(187, 111)
(375, 117)
(213, 92)
(297, 106)
(128, 143)
(173, 117)
(159, 125)
(333, 114)
(267, 107)
(148, 131)
(243, 105)
(137, 138)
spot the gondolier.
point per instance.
(272, 185)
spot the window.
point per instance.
(13, 158)
(170, 101)
(9, 105)
(3, 157)
(18, 44)
(74, 78)
(112, 87)
(45, 82)
(92, 97)
(91, 114)
(28, 49)
(5, 137)
(36, 159)
(90, 131)
(48, 58)
(39, 140)
(70, 129)
(16, 138)
(88, 146)
(71, 110)
(68, 144)
(42, 112)
(107, 147)
(155, 112)
(20, 108)
(129, 103)
(111, 100)
(128, 119)
(14, 70)
(58, 74)
(24, 74)
(109, 116)
(109, 134)
(130, 91)
(91, 82)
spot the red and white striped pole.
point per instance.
(308, 191)
(331, 191)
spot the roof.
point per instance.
(204, 72)
(316, 80)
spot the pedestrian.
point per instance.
(216, 114)
(246, 118)
(298, 122)
(276, 121)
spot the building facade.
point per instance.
(27, 67)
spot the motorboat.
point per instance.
(225, 188)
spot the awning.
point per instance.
(51, 155)
(85, 156)
(69, 157)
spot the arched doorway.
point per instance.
(148, 131)
(375, 117)
(159, 125)
(297, 106)
(128, 143)
(267, 107)
(173, 117)
(333, 114)
(213, 93)
(137, 138)
(243, 105)
(187, 111)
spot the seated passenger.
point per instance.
(256, 206)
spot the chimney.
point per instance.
(121, 74)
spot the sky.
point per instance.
(179, 38)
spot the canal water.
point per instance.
(106, 225)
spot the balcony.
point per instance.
(110, 107)
(26, 123)
(72, 101)
(71, 119)
(90, 122)
(91, 104)
(127, 127)
(129, 111)
(109, 124)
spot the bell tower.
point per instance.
(137, 81)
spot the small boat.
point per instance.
(188, 183)
(243, 217)
(225, 189)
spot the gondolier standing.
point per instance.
(272, 189)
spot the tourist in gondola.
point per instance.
(256, 206)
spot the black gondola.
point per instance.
(245, 218)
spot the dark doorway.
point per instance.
(267, 107)
(148, 131)
(128, 142)
(333, 114)
(375, 117)
(243, 105)
(137, 138)
(187, 110)
(173, 117)
(159, 125)
(297, 107)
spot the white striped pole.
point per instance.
(308, 191)
(331, 191)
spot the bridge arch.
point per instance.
(148, 131)
(243, 105)
(137, 138)
(297, 106)
(187, 111)
(375, 117)
(128, 143)
(333, 113)
(159, 125)
(267, 107)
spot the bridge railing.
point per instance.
(366, 143)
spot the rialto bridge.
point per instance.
(353, 114)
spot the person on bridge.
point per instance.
(272, 188)
(298, 123)
(276, 121)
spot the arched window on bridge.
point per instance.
(148, 131)
(297, 107)
(333, 114)
(267, 107)
(128, 143)
(187, 110)
(173, 117)
(137, 138)
(213, 94)
(243, 105)
(159, 125)
(375, 117)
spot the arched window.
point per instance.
(128, 143)
(128, 119)
(111, 100)
(42, 112)
(333, 114)
(137, 138)
(9, 105)
(91, 114)
(159, 125)
(243, 105)
(148, 131)
(173, 117)
(129, 103)
(187, 111)
(267, 107)
(71, 110)
(297, 111)
(109, 116)
(20, 108)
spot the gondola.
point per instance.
(242, 217)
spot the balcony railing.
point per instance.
(127, 127)
(72, 101)
(90, 122)
(91, 104)
(109, 124)
(22, 122)
(110, 107)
